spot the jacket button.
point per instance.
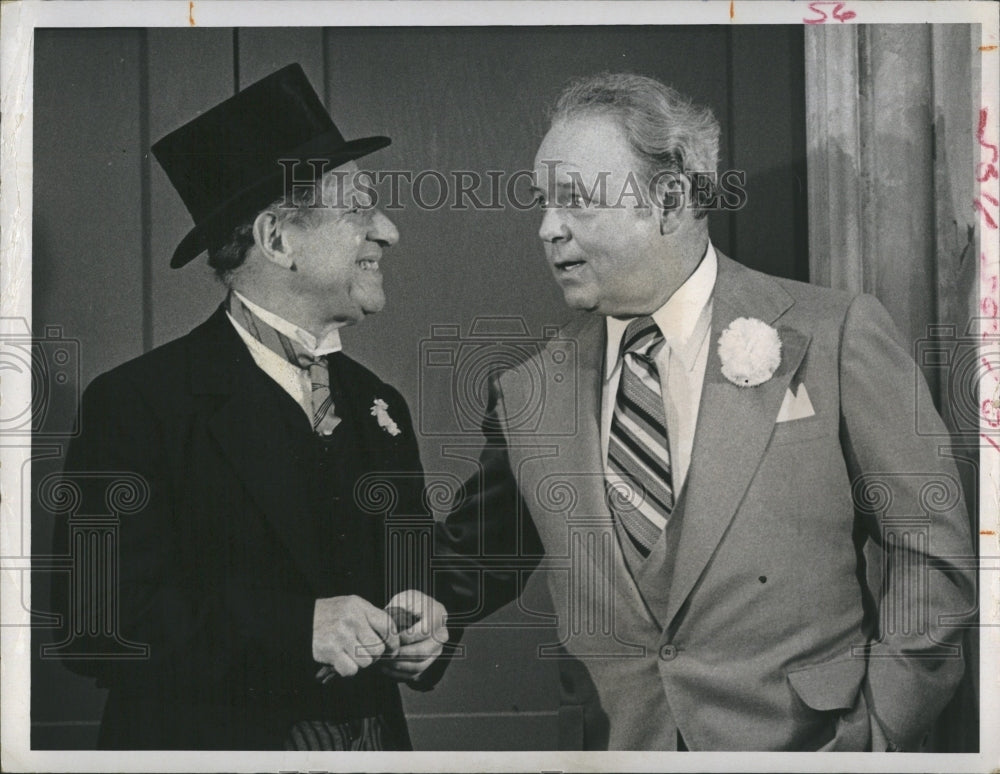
(668, 652)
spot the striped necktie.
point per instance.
(324, 417)
(639, 482)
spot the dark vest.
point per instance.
(356, 543)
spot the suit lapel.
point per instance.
(733, 429)
(577, 460)
(256, 434)
(355, 391)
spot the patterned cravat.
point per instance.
(324, 418)
(640, 488)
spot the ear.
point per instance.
(673, 195)
(270, 237)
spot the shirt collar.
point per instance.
(683, 319)
(316, 347)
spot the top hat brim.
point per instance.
(214, 228)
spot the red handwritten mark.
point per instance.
(988, 304)
(191, 13)
(985, 171)
(732, 9)
(991, 412)
(991, 165)
(978, 204)
(991, 441)
(838, 13)
(990, 407)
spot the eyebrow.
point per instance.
(342, 196)
(559, 186)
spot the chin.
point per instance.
(583, 301)
(369, 303)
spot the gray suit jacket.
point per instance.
(750, 626)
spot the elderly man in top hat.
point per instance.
(255, 572)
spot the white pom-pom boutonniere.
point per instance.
(750, 351)
(381, 413)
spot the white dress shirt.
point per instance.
(684, 320)
(292, 379)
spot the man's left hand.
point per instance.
(420, 643)
(421, 638)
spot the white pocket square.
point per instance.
(796, 405)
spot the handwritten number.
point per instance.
(978, 204)
(986, 170)
(991, 165)
(838, 13)
(841, 15)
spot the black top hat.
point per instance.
(225, 163)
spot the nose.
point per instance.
(553, 228)
(382, 230)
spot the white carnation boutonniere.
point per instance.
(750, 351)
(380, 410)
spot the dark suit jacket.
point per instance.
(749, 626)
(220, 569)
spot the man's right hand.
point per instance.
(349, 634)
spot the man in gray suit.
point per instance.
(734, 435)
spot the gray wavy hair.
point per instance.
(666, 130)
(228, 256)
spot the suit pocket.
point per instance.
(832, 685)
(797, 430)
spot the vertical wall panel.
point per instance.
(836, 175)
(768, 134)
(86, 274)
(956, 114)
(87, 228)
(890, 155)
(264, 50)
(903, 245)
(890, 133)
(190, 71)
(873, 168)
(956, 89)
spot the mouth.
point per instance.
(567, 267)
(369, 263)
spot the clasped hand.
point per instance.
(350, 634)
